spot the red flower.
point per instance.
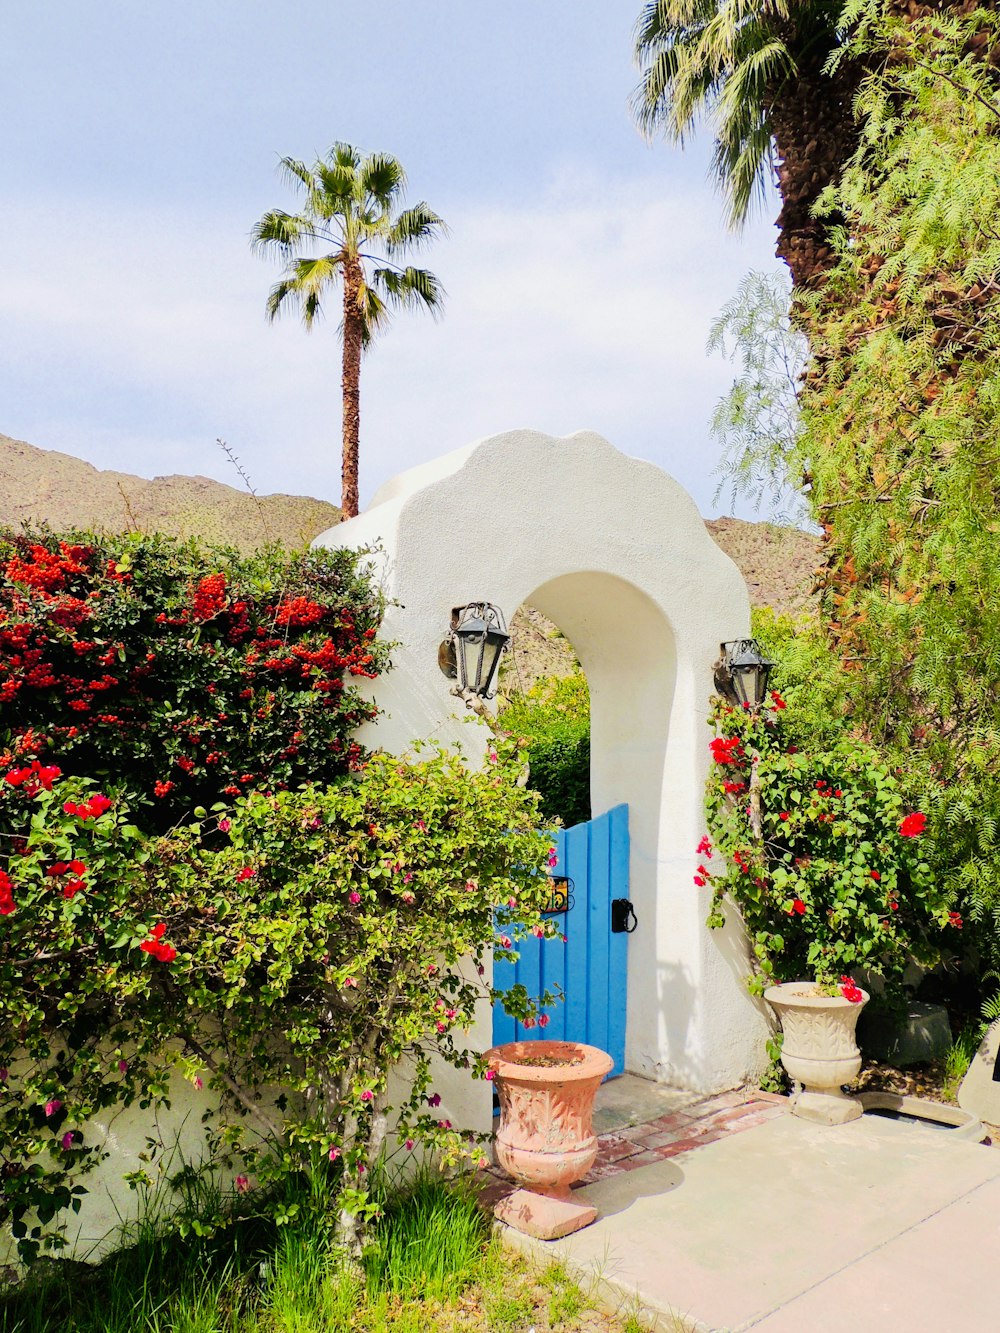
(874, 874)
(798, 908)
(783, 815)
(955, 919)
(850, 991)
(164, 952)
(726, 749)
(777, 700)
(247, 872)
(704, 847)
(73, 887)
(912, 825)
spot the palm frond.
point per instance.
(380, 178)
(412, 228)
(410, 287)
(279, 231)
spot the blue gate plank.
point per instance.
(590, 969)
(618, 957)
(598, 910)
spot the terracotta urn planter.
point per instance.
(546, 1139)
(819, 1051)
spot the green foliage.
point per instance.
(429, 1241)
(179, 675)
(901, 417)
(554, 718)
(822, 855)
(339, 921)
(431, 1266)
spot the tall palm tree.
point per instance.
(348, 215)
(757, 70)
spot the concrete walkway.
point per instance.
(787, 1227)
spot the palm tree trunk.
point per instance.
(351, 386)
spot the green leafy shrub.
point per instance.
(554, 718)
(284, 954)
(822, 854)
(180, 675)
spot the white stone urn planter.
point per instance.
(819, 1051)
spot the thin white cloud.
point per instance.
(133, 341)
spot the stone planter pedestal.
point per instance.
(819, 1051)
(546, 1139)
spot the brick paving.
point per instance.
(671, 1135)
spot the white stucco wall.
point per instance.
(615, 552)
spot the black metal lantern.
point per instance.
(742, 674)
(472, 651)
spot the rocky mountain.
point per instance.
(44, 486)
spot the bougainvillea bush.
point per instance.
(181, 675)
(282, 955)
(821, 853)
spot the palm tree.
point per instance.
(348, 215)
(758, 70)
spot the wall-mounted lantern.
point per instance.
(471, 653)
(742, 674)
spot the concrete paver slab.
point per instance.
(736, 1230)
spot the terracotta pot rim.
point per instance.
(798, 993)
(595, 1062)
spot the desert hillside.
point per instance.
(42, 485)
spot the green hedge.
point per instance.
(554, 717)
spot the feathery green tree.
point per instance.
(901, 417)
(349, 215)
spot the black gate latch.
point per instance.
(623, 917)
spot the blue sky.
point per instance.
(139, 140)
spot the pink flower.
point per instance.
(511, 902)
(354, 898)
(704, 847)
(409, 898)
(490, 1075)
(242, 1184)
(444, 1124)
(528, 1023)
(198, 1083)
(123, 1066)
(351, 981)
(543, 1020)
(539, 931)
(224, 827)
(53, 1106)
(450, 1013)
(421, 826)
(407, 877)
(333, 1154)
(480, 969)
(492, 756)
(67, 1140)
(408, 1145)
(470, 886)
(442, 1027)
(553, 857)
(367, 1095)
(505, 941)
(434, 1099)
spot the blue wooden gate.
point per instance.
(591, 967)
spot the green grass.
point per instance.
(432, 1266)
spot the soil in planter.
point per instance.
(544, 1061)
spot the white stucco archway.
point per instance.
(615, 552)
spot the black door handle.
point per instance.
(623, 917)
